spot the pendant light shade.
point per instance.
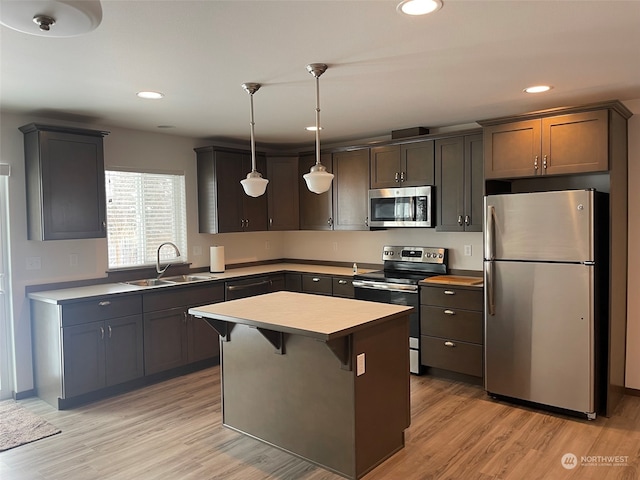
(318, 179)
(254, 185)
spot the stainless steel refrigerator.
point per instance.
(543, 267)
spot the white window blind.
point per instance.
(143, 211)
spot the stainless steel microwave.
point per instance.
(401, 207)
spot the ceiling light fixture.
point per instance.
(537, 89)
(418, 7)
(254, 185)
(52, 18)
(149, 95)
(318, 179)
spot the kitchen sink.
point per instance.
(154, 282)
(149, 282)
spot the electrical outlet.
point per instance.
(73, 259)
(467, 250)
(33, 263)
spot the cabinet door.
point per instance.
(84, 358)
(385, 166)
(316, 210)
(282, 190)
(72, 188)
(350, 190)
(165, 340)
(203, 340)
(124, 346)
(473, 183)
(450, 184)
(229, 209)
(418, 161)
(511, 150)
(207, 191)
(575, 143)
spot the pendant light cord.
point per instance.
(317, 120)
(253, 143)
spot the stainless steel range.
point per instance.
(397, 283)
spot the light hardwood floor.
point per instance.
(172, 431)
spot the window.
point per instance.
(143, 211)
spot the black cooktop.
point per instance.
(408, 278)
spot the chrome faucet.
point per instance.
(158, 269)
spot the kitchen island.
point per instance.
(324, 378)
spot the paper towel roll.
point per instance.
(216, 255)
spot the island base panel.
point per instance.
(304, 402)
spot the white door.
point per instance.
(5, 286)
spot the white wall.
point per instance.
(633, 299)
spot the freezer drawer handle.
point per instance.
(449, 292)
(449, 344)
(449, 312)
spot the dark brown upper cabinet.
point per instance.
(64, 170)
(407, 165)
(350, 190)
(282, 193)
(222, 204)
(459, 183)
(316, 210)
(554, 145)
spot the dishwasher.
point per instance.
(250, 287)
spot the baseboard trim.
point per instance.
(23, 395)
(632, 391)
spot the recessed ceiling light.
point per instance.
(150, 95)
(418, 7)
(537, 89)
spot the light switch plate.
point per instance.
(360, 368)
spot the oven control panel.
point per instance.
(414, 254)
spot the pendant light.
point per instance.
(254, 185)
(318, 179)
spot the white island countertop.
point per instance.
(317, 316)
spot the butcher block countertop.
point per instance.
(461, 280)
(316, 316)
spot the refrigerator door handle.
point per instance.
(489, 244)
(488, 289)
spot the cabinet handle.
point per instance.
(535, 163)
(101, 333)
(105, 303)
(315, 279)
(467, 220)
(270, 222)
(109, 330)
(459, 219)
(104, 225)
(449, 292)
(246, 223)
(330, 222)
(449, 312)
(397, 177)
(544, 162)
(242, 223)
(184, 317)
(402, 176)
(366, 221)
(342, 282)
(449, 344)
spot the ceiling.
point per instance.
(466, 62)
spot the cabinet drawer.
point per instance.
(170, 297)
(102, 308)
(456, 324)
(317, 284)
(451, 355)
(343, 287)
(450, 296)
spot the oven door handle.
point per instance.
(390, 287)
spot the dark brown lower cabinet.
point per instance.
(451, 329)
